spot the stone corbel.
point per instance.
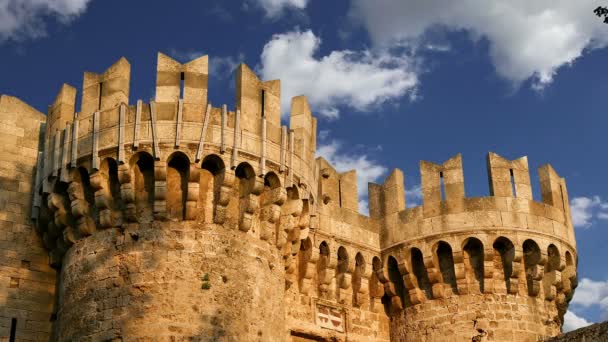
(127, 192)
(225, 192)
(80, 209)
(251, 202)
(160, 190)
(344, 290)
(308, 272)
(435, 276)
(535, 274)
(517, 268)
(103, 199)
(410, 281)
(389, 289)
(271, 212)
(488, 270)
(193, 192)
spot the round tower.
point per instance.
(174, 219)
(497, 268)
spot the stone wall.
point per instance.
(595, 332)
(171, 281)
(27, 283)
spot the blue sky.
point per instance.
(392, 82)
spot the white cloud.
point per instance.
(20, 19)
(358, 80)
(367, 169)
(573, 322)
(274, 8)
(413, 196)
(586, 209)
(589, 293)
(219, 67)
(527, 39)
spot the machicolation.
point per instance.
(175, 220)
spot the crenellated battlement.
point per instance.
(453, 246)
(446, 208)
(223, 211)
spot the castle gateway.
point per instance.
(175, 220)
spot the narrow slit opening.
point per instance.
(181, 85)
(13, 330)
(99, 97)
(442, 186)
(340, 193)
(513, 189)
(263, 102)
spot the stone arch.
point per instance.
(246, 175)
(551, 269)
(343, 276)
(445, 261)
(272, 181)
(210, 182)
(81, 175)
(420, 272)
(357, 279)
(142, 175)
(473, 258)
(342, 266)
(376, 288)
(504, 253)
(304, 256)
(323, 275)
(178, 172)
(109, 167)
(532, 258)
(569, 276)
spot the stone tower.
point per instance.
(177, 220)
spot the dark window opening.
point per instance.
(442, 186)
(263, 102)
(340, 193)
(181, 85)
(100, 93)
(513, 189)
(13, 330)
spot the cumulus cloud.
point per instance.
(527, 39)
(587, 209)
(357, 80)
(589, 293)
(21, 19)
(274, 8)
(573, 322)
(367, 169)
(413, 196)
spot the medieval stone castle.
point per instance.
(175, 220)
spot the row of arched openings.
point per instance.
(475, 266)
(178, 168)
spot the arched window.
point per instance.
(446, 265)
(553, 261)
(210, 182)
(473, 261)
(356, 280)
(110, 169)
(178, 171)
(421, 273)
(396, 278)
(504, 252)
(142, 168)
(531, 260)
